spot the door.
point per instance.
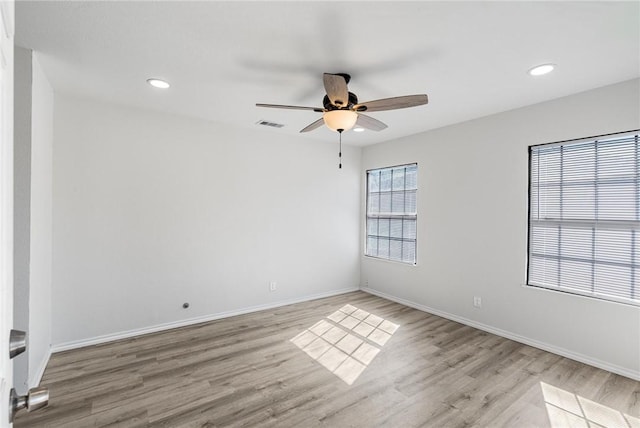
(6, 203)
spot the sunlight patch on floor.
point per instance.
(346, 341)
(566, 409)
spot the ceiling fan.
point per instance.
(342, 111)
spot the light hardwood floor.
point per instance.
(271, 369)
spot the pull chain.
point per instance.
(340, 152)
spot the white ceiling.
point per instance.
(471, 58)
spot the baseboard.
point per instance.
(66, 346)
(37, 376)
(509, 335)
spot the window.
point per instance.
(584, 217)
(392, 213)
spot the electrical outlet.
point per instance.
(366, 283)
(477, 301)
(273, 286)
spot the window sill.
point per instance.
(395, 262)
(578, 295)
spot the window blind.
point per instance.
(584, 217)
(392, 213)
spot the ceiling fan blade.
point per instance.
(317, 124)
(318, 109)
(336, 87)
(392, 103)
(367, 122)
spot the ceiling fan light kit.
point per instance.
(340, 119)
(341, 110)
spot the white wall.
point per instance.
(472, 228)
(153, 210)
(41, 234)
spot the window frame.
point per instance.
(400, 216)
(558, 288)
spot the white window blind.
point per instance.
(584, 217)
(392, 213)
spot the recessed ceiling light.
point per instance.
(358, 129)
(539, 70)
(157, 83)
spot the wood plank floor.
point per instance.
(353, 360)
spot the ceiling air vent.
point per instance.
(271, 124)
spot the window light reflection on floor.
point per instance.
(346, 341)
(566, 409)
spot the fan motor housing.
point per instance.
(353, 100)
